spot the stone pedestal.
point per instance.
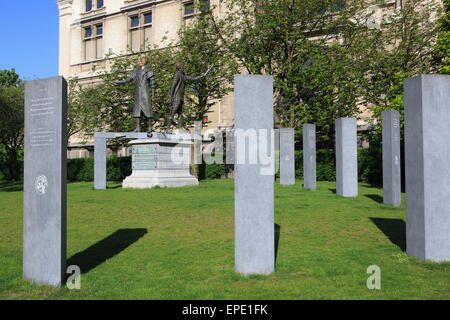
(160, 161)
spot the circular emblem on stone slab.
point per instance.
(41, 184)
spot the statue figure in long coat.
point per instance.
(144, 79)
(176, 93)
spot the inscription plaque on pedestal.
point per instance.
(144, 157)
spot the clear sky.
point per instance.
(29, 35)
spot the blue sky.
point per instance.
(29, 32)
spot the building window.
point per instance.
(189, 8)
(147, 29)
(147, 18)
(99, 28)
(135, 41)
(88, 32)
(88, 5)
(204, 5)
(135, 21)
(140, 31)
(93, 42)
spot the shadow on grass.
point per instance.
(371, 185)
(105, 249)
(394, 229)
(375, 197)
(114, 187)
(9, 186)
(333, 190)
(277, 240)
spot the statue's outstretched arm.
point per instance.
(199, 77)
(129, 79)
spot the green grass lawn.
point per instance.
(178, 243)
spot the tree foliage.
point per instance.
(442, 48)
(9, 78)
(200, 45)
(400, 49)
(329, 59)
(11, 130)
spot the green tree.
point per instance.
(200, 45)
(330, 58)
(9, 78)
(308, 46)
(82, 115)
(11, 130)
(442, 48)
(401, 48)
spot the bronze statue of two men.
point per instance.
(145, 79)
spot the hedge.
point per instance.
(117, 168)
(369, 166)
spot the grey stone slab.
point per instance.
(45, 171)
(309, 156)
(346, 158)
(254, 186)
(392, 184)
(427, 166)
(99, 163)
(287, 158)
